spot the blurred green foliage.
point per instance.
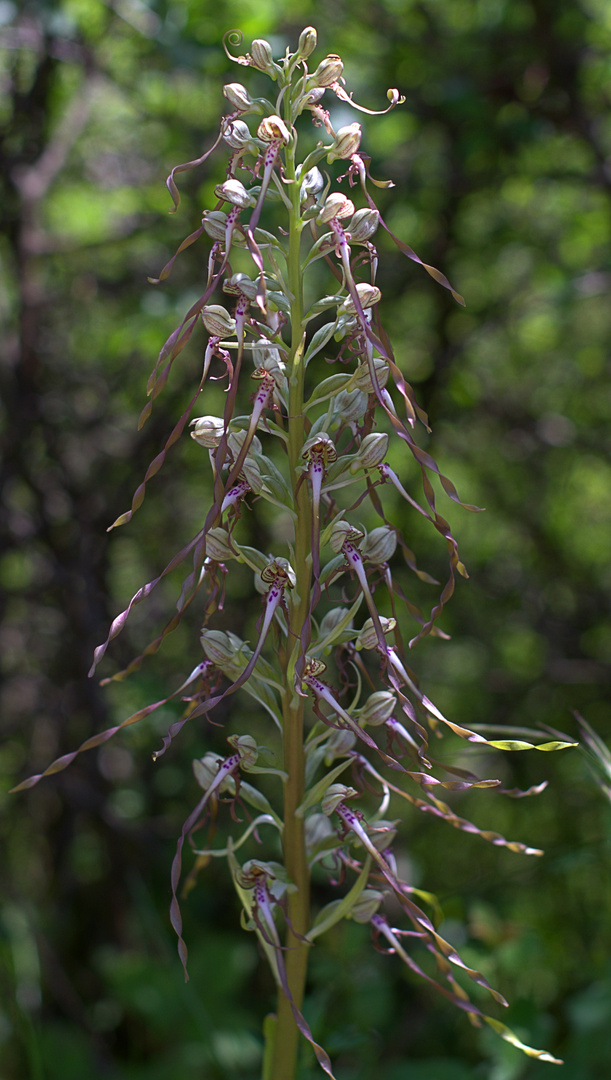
(500, 160)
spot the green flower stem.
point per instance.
(286, 1042)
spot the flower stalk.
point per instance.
(286, 1033)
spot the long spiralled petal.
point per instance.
(272, 600)
(102, 737)
(321, 691)
(362, 163)
(186, 166)
(228, 767)
(458, 996)
(263, 903)
(143, 592)
(418, 917)
(157, 462)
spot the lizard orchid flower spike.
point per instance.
(313, 457)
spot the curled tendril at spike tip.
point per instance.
(233, 38)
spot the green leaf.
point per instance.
(279, 299)
(271, 772)
(339, 909)
(256, 557)
(315, 794)
(260, 693)
(319, 340)
(274, 479)
(321, 305)
(337, 633)
(325, 389)
(254, 798)
(330, 567)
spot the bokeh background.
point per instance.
(501, 160)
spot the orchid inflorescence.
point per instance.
(314, 446)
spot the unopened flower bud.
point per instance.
(328, 71)
(217, 320)
(272, 129)
(371, 451)
(362, 376)
(238, 135)
(366, 905)
(341, 532)
(363, 225)
(233, 191)
(336, 206)
(313, 96)
(262, 56)
(368, 296)
(215, 224)
(218, 545)
(347, 142)
(334, 795)
(312, 183)
(351, 404)
(339, 744)
(378, 708)
(368, 639)
(238, 96)
(207, 431)
(379, 545)
(307, 42)
(221, 649)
